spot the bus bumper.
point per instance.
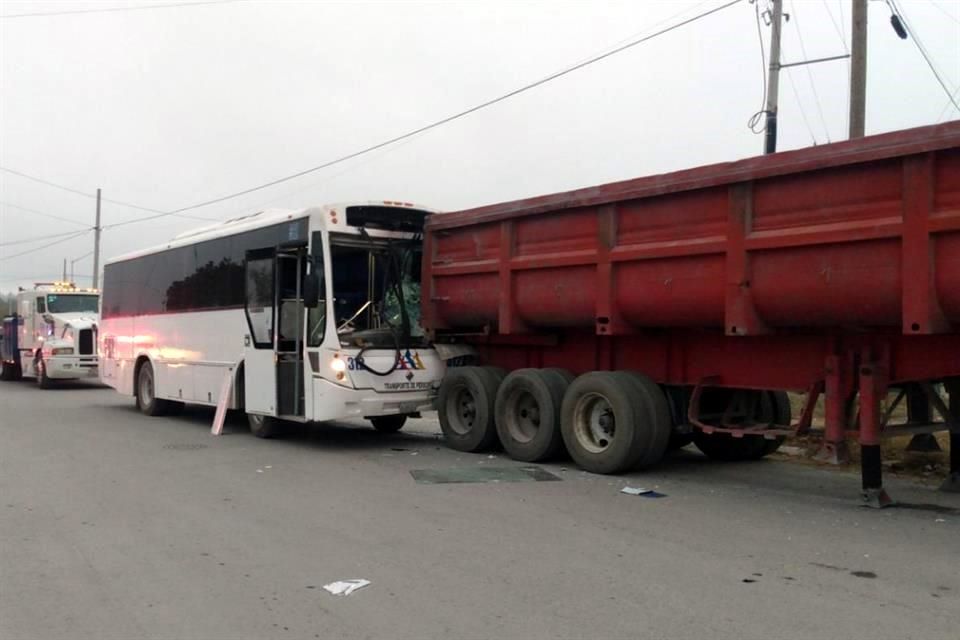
(333, 402)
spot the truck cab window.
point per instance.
(41, 307)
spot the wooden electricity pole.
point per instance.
(858, 68)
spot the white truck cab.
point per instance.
(52, 335)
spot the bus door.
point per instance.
(273, 349)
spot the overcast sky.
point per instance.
(165, 108)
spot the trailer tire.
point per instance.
(40, 372)
(774, 407)
(563, 373)
(266, 426)
(466, 408)
(603, 421)
(146, 390)
(527, 413)
(656, 432)
(389, 424)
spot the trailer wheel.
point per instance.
(266, 426)
(772, 406)
(389, 424)
(656, 432)
(40, 372)
(147, 400)
(466, 408)
(527, 413)
(604, 422)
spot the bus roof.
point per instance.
(256, 220)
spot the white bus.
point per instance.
(314, 313)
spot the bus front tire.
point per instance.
(389, 424)
(265, 426)
(147, 400)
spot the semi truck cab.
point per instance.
(52, 335)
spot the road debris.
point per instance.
(482, 474)
(640, 491)
(346, 587)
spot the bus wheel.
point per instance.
(389, 424)
(527, 412)
(147, 400)
(40, 371)
(766, 406)
(605, 422)
(466, 406)
(265, 426)
(9, 371)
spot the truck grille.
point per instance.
(86, 341)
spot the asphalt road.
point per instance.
(116, 525)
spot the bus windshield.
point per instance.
(72, 303)
(376, 288)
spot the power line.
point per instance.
(115, 9)
(923, 51)
(803, 112)
(41, 213)
(23, 253)
(803, 50)
(459, 115)
(327, 179)
(944, 11)
(40, 238)
(836, 26)
(91, 195)
(946, 107)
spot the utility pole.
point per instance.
(96, 247)
(858, 68)
(773, 78)
(64, 279)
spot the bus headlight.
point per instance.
(339, 367)
(62, 351)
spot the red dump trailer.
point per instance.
(621, 320)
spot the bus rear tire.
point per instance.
(9, 371)
(389, 424)
(147, 400)
(265, 426)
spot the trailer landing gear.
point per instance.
(952, 483)
(873, 387)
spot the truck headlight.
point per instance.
(62, 351)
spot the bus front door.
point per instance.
(273, 349)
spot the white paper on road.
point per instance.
(346, 587)
(635, 491)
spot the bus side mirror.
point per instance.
(311, 290)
